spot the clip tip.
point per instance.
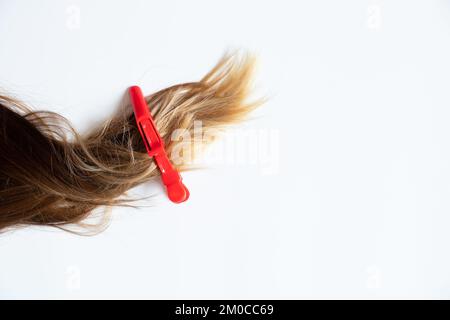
(135, 89)
(178, 192)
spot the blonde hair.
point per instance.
(51, 175)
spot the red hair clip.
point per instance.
(171, 178)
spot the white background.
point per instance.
(359, 203)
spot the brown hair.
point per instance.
(51, 175)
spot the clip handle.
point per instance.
(176, 190)
(140, 107)
(154, 145)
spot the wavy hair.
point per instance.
(51, 175)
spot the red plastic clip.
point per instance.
(176, 190)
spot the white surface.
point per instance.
(360, 205)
